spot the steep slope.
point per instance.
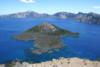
(90, 18)
(27, 14)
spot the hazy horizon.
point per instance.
(46, 13)
(49, 6)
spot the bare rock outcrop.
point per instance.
(62, 62)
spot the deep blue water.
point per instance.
(87, 45)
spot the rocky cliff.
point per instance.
(90, 18)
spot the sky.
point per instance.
(49, 6)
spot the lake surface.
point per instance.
(87, 45)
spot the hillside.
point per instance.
(90, 18)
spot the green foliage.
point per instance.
(34, 29)
(54, 42)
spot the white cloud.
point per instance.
(96, 7)
(28, 1)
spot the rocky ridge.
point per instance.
(90, 18)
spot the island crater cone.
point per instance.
(46, 37)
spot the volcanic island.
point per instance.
(46, 37)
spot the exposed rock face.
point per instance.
(28, 14)
(90, 18)
(46, 27)
(46, 37)
(63, 62)
(64, 15)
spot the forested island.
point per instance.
(46, 37)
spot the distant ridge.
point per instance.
(90, 18)
(27, 14)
